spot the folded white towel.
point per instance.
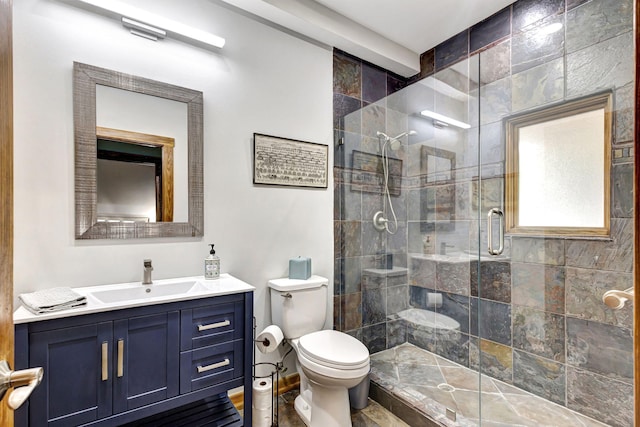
(50, 300)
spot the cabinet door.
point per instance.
(146, 360)
(77, 384)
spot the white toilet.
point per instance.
(329, 362)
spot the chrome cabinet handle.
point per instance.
(201, 369)
(287, 295)
(213, 325)
(500, 214)
(120, 367)
(105, 361)
(23, 383)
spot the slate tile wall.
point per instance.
(363, 301)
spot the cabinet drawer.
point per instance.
(211, 365)
(212, 324)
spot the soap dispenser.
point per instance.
(212, 265)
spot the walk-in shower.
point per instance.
(531, 341)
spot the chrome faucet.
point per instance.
(146, 278)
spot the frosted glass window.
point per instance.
(558, 169)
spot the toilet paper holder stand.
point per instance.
(274, 375)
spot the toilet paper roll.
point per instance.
(262, 390)
(261, 417)
(434, 300)
(269, 339)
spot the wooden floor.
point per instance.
(373, 415)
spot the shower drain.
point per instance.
(446, 387)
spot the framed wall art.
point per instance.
(289, 162)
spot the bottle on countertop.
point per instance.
(212, 265)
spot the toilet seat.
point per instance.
(330, 375)
(333, 349)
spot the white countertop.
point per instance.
(202, 288)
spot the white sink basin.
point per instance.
(148, 291)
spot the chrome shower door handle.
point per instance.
(500, 214)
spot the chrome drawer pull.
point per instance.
(213, 326)
(201, 369)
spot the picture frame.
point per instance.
(289, 162)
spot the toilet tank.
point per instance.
(299, 307)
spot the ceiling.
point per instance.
(406, 21)
(388, 33)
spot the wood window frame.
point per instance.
(586, 104)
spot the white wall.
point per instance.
(262, 81)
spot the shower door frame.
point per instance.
(636, 217)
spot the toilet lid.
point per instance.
(333, 348)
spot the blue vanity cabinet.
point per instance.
(121, 366)
(73, 391)
(145, 360)
(211, 345)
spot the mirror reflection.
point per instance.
(138, 156)
(145, 122)
(135, 176)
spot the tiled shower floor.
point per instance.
(432, 384)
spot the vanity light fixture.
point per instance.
(143, 30)
(444, 119)
(151, 26)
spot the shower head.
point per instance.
(411, 132)
(394, 142)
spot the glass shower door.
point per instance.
(548, 350)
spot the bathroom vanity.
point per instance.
(136, 353)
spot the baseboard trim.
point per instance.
(284, 385)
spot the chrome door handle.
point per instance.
(23, 383)
(500, 214)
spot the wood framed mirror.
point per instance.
(90, 224)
